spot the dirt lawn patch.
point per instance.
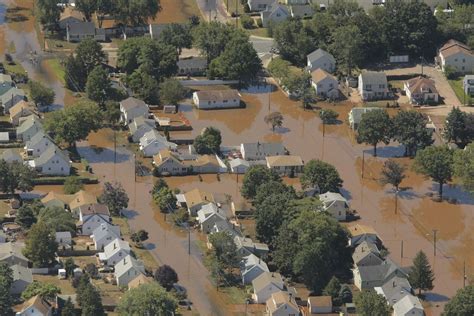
(176, 11)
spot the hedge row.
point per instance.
(60, 180)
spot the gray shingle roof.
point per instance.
(21, 273)
(319, 53)
(124, 265)
(37, 138)
(263, 149)
(395, 289)
(374, 77)
(51, 152)
(28, 123)
(82, 28)
(9, 155)
(193, 62)
(131, 103)
(8, 249)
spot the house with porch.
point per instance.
(320, 59)
(52, 162)
(325, 84)
(287, 165)
(373, 86)
(335, 204)
(130, 108)
(421, 90)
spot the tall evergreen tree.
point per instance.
(421, 276)
(6, 281)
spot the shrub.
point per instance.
(259, 22)
(247, 21)
(450, 72)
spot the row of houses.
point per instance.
(10, 95)
(372, 271)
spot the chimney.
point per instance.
(115, 246)
(124, 261)
(393, 284)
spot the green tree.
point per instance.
(347, 47)
(374, 127)
(177, 35)
(147, 299)
(112, 112)
(115, 197)
(40, 94)
(47, 291)
(458, 127)
(209, 142)
(392, 173)
(271, 187)
(165, 199)
(172, 91)
(68, 308)
(421, 276)
(40, 246)
(328, 116)
(166, 276)
(333, 288)
(72, 184)
(25, 217)
(57, 220)
(90, 55)
(275, 119)
(292, 41)
(435, 162)
(75, 75)
(16, 176)
(345, 295)
(254, 177)
(69, 266)
(212, 38)
(464, 166)
(225, 250)
(139, 236)
(369, 303)
(87, 7)
(409, 129)
(74, 123)
(321, 174)
(144, 86)
(49, 13)
(279, 68)
(461, 304)
(6, 281)
(90, 301)
(136, 12)
(98, 87)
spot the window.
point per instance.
(463, 60)
(368, 86)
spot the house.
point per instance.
(104, 234)
(259, 151)
(139, 280)
(128, 269)
(11, 254)
(320, 304)
(421, 90)
(130, 108)
(282, 304)
(52, 162)
(239, 165)
(468, 85)
(360, 233)
(367, 254)
(325, 84)
(11, 98)
(114, 252)
(92, 216)
(79, 31)
(64, 239)
(457, 56)
(22, 277)
(335, 204)
(152, 142)
(208, 215)
(216, 99)
(227, 227)
(168, 163)
(321, 59)
(251, 267)
(69, 201)
(28, 128)
(206, 164)
(265, 285)
(259, 5)
(194, 200)
(408, 306)
(395, 289)
(373, 86)
(285, 165)
(70, 16)
(274, 13)
(139, 127)
(301, 11)
(10, 155)
(6, 80)
(21, 109)
(294, 2)
(38, 144)
(192, 66)
(369, 277)
(35, 306)
(355, 115)
(246, 246)
(155, 30)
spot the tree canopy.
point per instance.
(40, 246)
(409, 129)
(254, 177)
(147, 299)
(16, 176)
(374, 127)
(459, 127)
(115, 197)
(47, 291)
(462, 303)
(317, 173)
(393, 173)
(6, 281)
(177, 35)
(369, 303)
(57, 220)
(208, 142)
(421, 276)
(72, 184)
(464, 166)
(98, 87)
(275, 119)
(166, 276)
(172, 91)
(41, 95)
(211, 38)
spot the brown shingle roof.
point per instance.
(421, 85)
(320, 74)
(453, 47)
(139, 280)
(320, 301)
(359, 229)
(96, 208)
(197, 196)
(284, 161)
(39, 304)
(70, 12)
(217, 95)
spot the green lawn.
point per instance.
(234, 294)
(15, 68)
(231, 6)
(260, 31)
(457, 86)
(56, 68)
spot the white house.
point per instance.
(456, 55)
(64, 239)
(367, 254)
(421, 90)
(288, 165)
(259, 5)
(251, 267)
(369, 277)
(208, 215)
(22, 277)
(194, 200)
(131, 108)
(355, 115)
(128, 269)
(216, 99)
(19, 110)
(79, 31)
(170, 163)
(335, 204)
(325, 84)
(239, 165)
(105, 234)
(408, 306)
(274, 13)
(11, 98)
(468, 85)
(360, 233)
(373, 86)
(321, 59)
(52, 162)
(320, 304)
(35, 306)
(139, 127)
(92, 216)
(38, 144)
(152, 142)
(28, 128)
(259, 151)
(246, 246)
(114, 252)
(394, 289)
(282, 304)
(265, 285)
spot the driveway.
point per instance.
(213, 10)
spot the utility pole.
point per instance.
(189, 241)
(464, 276)
(401, 251)
(396, 201)
(434, 241)
(363, 164)
(236, 14)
